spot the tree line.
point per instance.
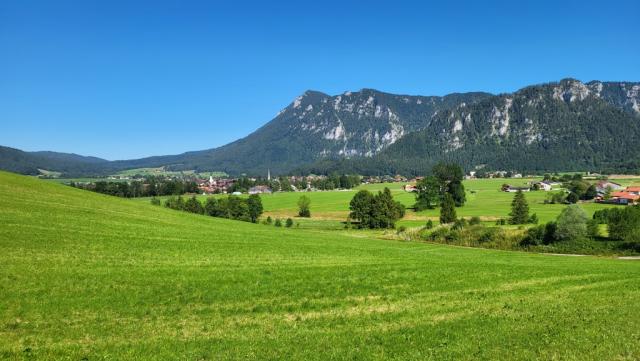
(150, 187)
(232, 207)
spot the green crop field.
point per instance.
(87, 276)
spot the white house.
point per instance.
(544, 185)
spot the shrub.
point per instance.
(555, 198)
(429, 224)
(304, 204)
(550, 233)
(593, 228)
(630, 246)
(174, 203)
(235, 207)
(435, 235)
(211, 208)
(625, 224)
(269, 220)
(459, 224)
(534, 236)
(155, 201)
(289, 223)
(486, 234)
(533, 219)
(278, 223)
(475, 220)
(401, 229)
(476, 235)
(193, 205)
(572, 223)
(602, 216)
(573, 198)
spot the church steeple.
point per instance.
(268, 174)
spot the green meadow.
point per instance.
(484, 199)
(85, 276)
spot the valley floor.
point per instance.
(84, 275)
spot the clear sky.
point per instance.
(127, 79)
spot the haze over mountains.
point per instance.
(567, 125)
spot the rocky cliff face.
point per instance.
(359, 123)
(558, 126)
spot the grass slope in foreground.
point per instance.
(86, 275)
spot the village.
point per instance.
(565, 188)
(600, 191)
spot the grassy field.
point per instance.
(484, 199)
(87, 276)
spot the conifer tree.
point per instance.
(447, 209)
(519, 209)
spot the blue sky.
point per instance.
(127, 79)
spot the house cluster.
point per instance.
(610, 192)
(496, 174)
(214, 185)
(545, 185)
(385, 179)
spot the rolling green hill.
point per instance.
(84, 275)
(15, 160)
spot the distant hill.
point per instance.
(18, 161)
(568, 125)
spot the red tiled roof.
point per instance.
(633, 189)
(625, 195)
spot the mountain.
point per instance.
(318, 126)
(18, 161)
(567, 125)
(561, 126)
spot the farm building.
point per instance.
(628, 196)
(624, 197)
(513, 189)
(603, 186)
(260, 190)
(544, 185)
(410, 188)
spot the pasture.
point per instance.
(88, 276)
(484, 199)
